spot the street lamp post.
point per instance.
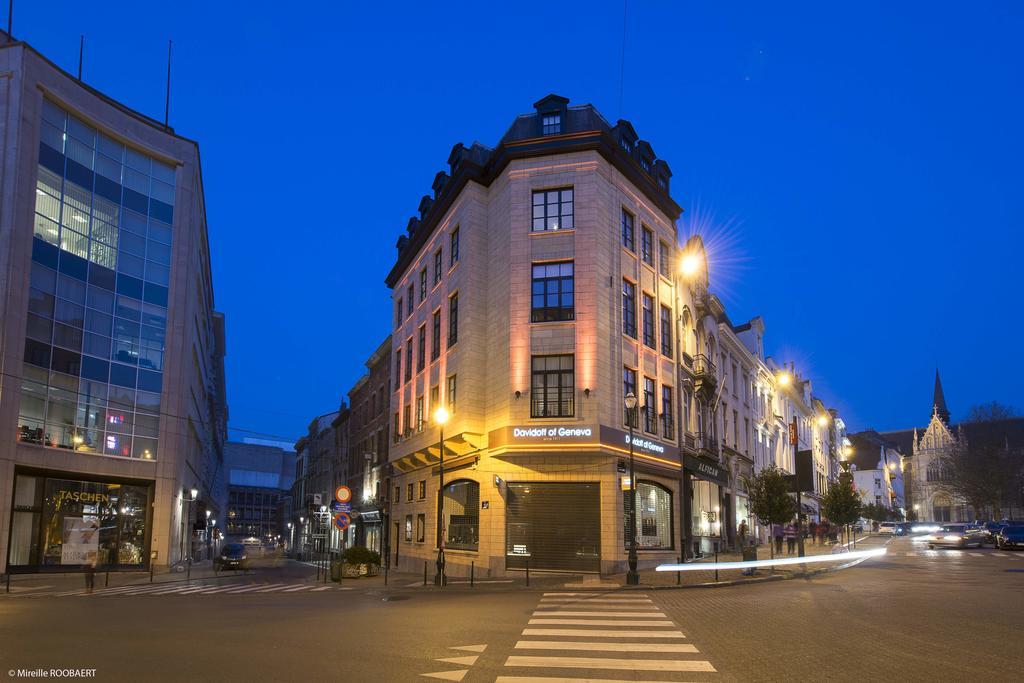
(440, 417)
(632, 577)
(188, 531)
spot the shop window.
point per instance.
(653, 514)
(461, 515)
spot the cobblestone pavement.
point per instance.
(913, 615)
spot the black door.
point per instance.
(553, 525)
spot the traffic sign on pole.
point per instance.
(342, 520)
(340, 507)
(343, 494)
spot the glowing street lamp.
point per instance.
(785, 378)
(822, 421)
(690, 265)
(440, 417)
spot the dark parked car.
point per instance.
(232, 556)
(1010, 537)
(990, 529)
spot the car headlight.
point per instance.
(244, 557)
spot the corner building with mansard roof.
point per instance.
(537, 287)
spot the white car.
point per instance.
(887, 528)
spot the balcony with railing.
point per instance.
(708, 444)
(704, 373)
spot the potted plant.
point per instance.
(360, 561)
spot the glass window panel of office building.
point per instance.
(97, 313)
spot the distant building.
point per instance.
(925, 448)
(317, 457)
(367, 462)
(877, 468)
(112, 397)
(259, 477)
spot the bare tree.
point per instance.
(990, 412)
(984, 475)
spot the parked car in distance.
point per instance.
(956, 536)
(1010, 537)
(232, 556)
(990, 529)
(887, 528)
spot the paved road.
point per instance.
(913, 615)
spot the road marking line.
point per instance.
(295, 589)
(996, 553)
(976, 554)
(605, 601)
(598, 594)
(254, 588)
(621, 664)
(604, 647)
(600, 633)
(217, 589)
(910, 554)
(598, 614)
(168, 591)
(467, 660)
(321, 588)
(466, 583)
(553, 679)
(601, 622)
(469, 648)
(456, 675)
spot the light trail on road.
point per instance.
(777, 562)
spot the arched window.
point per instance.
(461, 515)
(654, 516)
(687, 324)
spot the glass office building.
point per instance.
(97, 313)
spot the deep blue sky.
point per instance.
(855, 167)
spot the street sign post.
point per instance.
(342, 520)
(343, 494)
(340, 507)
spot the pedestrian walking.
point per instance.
(743, 533)
(812, 530)
(790, 534)
(777, 532)
(90, 574)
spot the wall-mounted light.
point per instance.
(519, 394)
(497, 481)
(586, 392)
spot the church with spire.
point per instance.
(924, 449)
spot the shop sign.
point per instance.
(705, 469)
(80, 541)
(641, 444)
(541, 434)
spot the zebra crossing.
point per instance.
(954, 552)
(190, 589)
(606, 637)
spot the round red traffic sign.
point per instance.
(343, 494)
(342, 520)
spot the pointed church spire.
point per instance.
(939, 400)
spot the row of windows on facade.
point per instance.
(651, 517)
(647, 319)
(401, 313)
(406, 425)
(421, 343)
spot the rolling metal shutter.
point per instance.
(553, 525)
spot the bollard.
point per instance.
(679, 575)
(472, 569)
(106, 581)
(387, 565)
(8, 581)
(527, 572)
(424, 572)
(151, 570)
(716, 564)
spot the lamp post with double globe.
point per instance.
(440, 417)
(632, 576)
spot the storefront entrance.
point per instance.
(553, 525)
(62, 523)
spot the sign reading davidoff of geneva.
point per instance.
(581, 434)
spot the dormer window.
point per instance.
(551, 124)
(626, 145)
(646, 165)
